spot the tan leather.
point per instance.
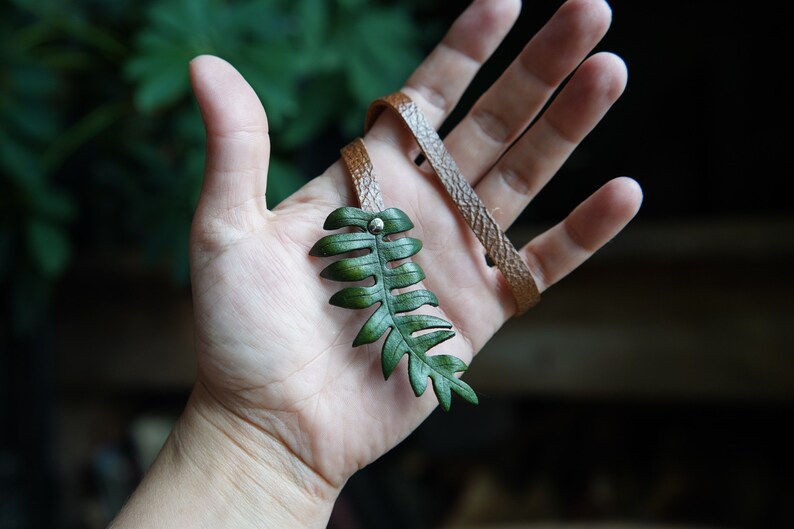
(357, 159)
(497, 245)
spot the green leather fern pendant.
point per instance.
(411, 334)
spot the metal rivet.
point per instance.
(375, 225)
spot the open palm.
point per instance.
(273, 354)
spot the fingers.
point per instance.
(483, 301)
(438, 83)
(507, 108)
(238, 146)
(540, 152)
(561, 249)
(441, 79)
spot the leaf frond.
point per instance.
(408, 334)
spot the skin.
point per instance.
(284, 410)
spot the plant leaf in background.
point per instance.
(34, 211)
(380, 251)
(314, 63)
(101, 143)
(49, 246)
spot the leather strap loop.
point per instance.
(359, 165)
(499, 248)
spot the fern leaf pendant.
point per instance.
(408, 334)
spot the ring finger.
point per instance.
(540, 152)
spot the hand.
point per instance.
(281, 393)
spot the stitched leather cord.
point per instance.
(499, 248)
(359, 165)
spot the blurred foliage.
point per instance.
(101, 143)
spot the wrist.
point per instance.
(215, 470)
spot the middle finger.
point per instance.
(508, 107)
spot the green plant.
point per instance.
(101, 144)
(312, 62)
(35, 212)
(411, 334)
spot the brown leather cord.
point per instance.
(359, 165)
(499, 248)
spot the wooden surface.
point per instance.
(692, 309)
(701, 309)
(600, 525)
(123, 328)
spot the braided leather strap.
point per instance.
(499, 248)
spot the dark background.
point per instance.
(662, 395)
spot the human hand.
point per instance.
(283, 394)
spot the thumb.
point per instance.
(238, 145)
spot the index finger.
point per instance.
(440, 80)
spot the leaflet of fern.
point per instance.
(379, 251)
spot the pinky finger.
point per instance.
(558, 251)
